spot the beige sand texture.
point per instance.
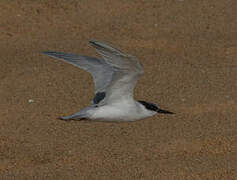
(189, 52)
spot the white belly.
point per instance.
(119, 112)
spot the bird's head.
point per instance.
(153, 107)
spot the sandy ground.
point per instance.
(189, 52)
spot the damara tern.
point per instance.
(115, 78)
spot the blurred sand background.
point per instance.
(189, 51)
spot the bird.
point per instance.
(115, 77)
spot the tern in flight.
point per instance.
(115, 78)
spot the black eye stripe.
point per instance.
(149, 106)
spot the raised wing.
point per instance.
(127, 71)
(100, 71)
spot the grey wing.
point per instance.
(127, 71)
(100, 71)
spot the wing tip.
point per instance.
(46, 52)
(53, 53)
(96, 43)
(104, 46)
(92, 41)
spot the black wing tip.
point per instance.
(97, 44)
(46, 52)
(164, 111)
(93, 42)
(53, 53)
